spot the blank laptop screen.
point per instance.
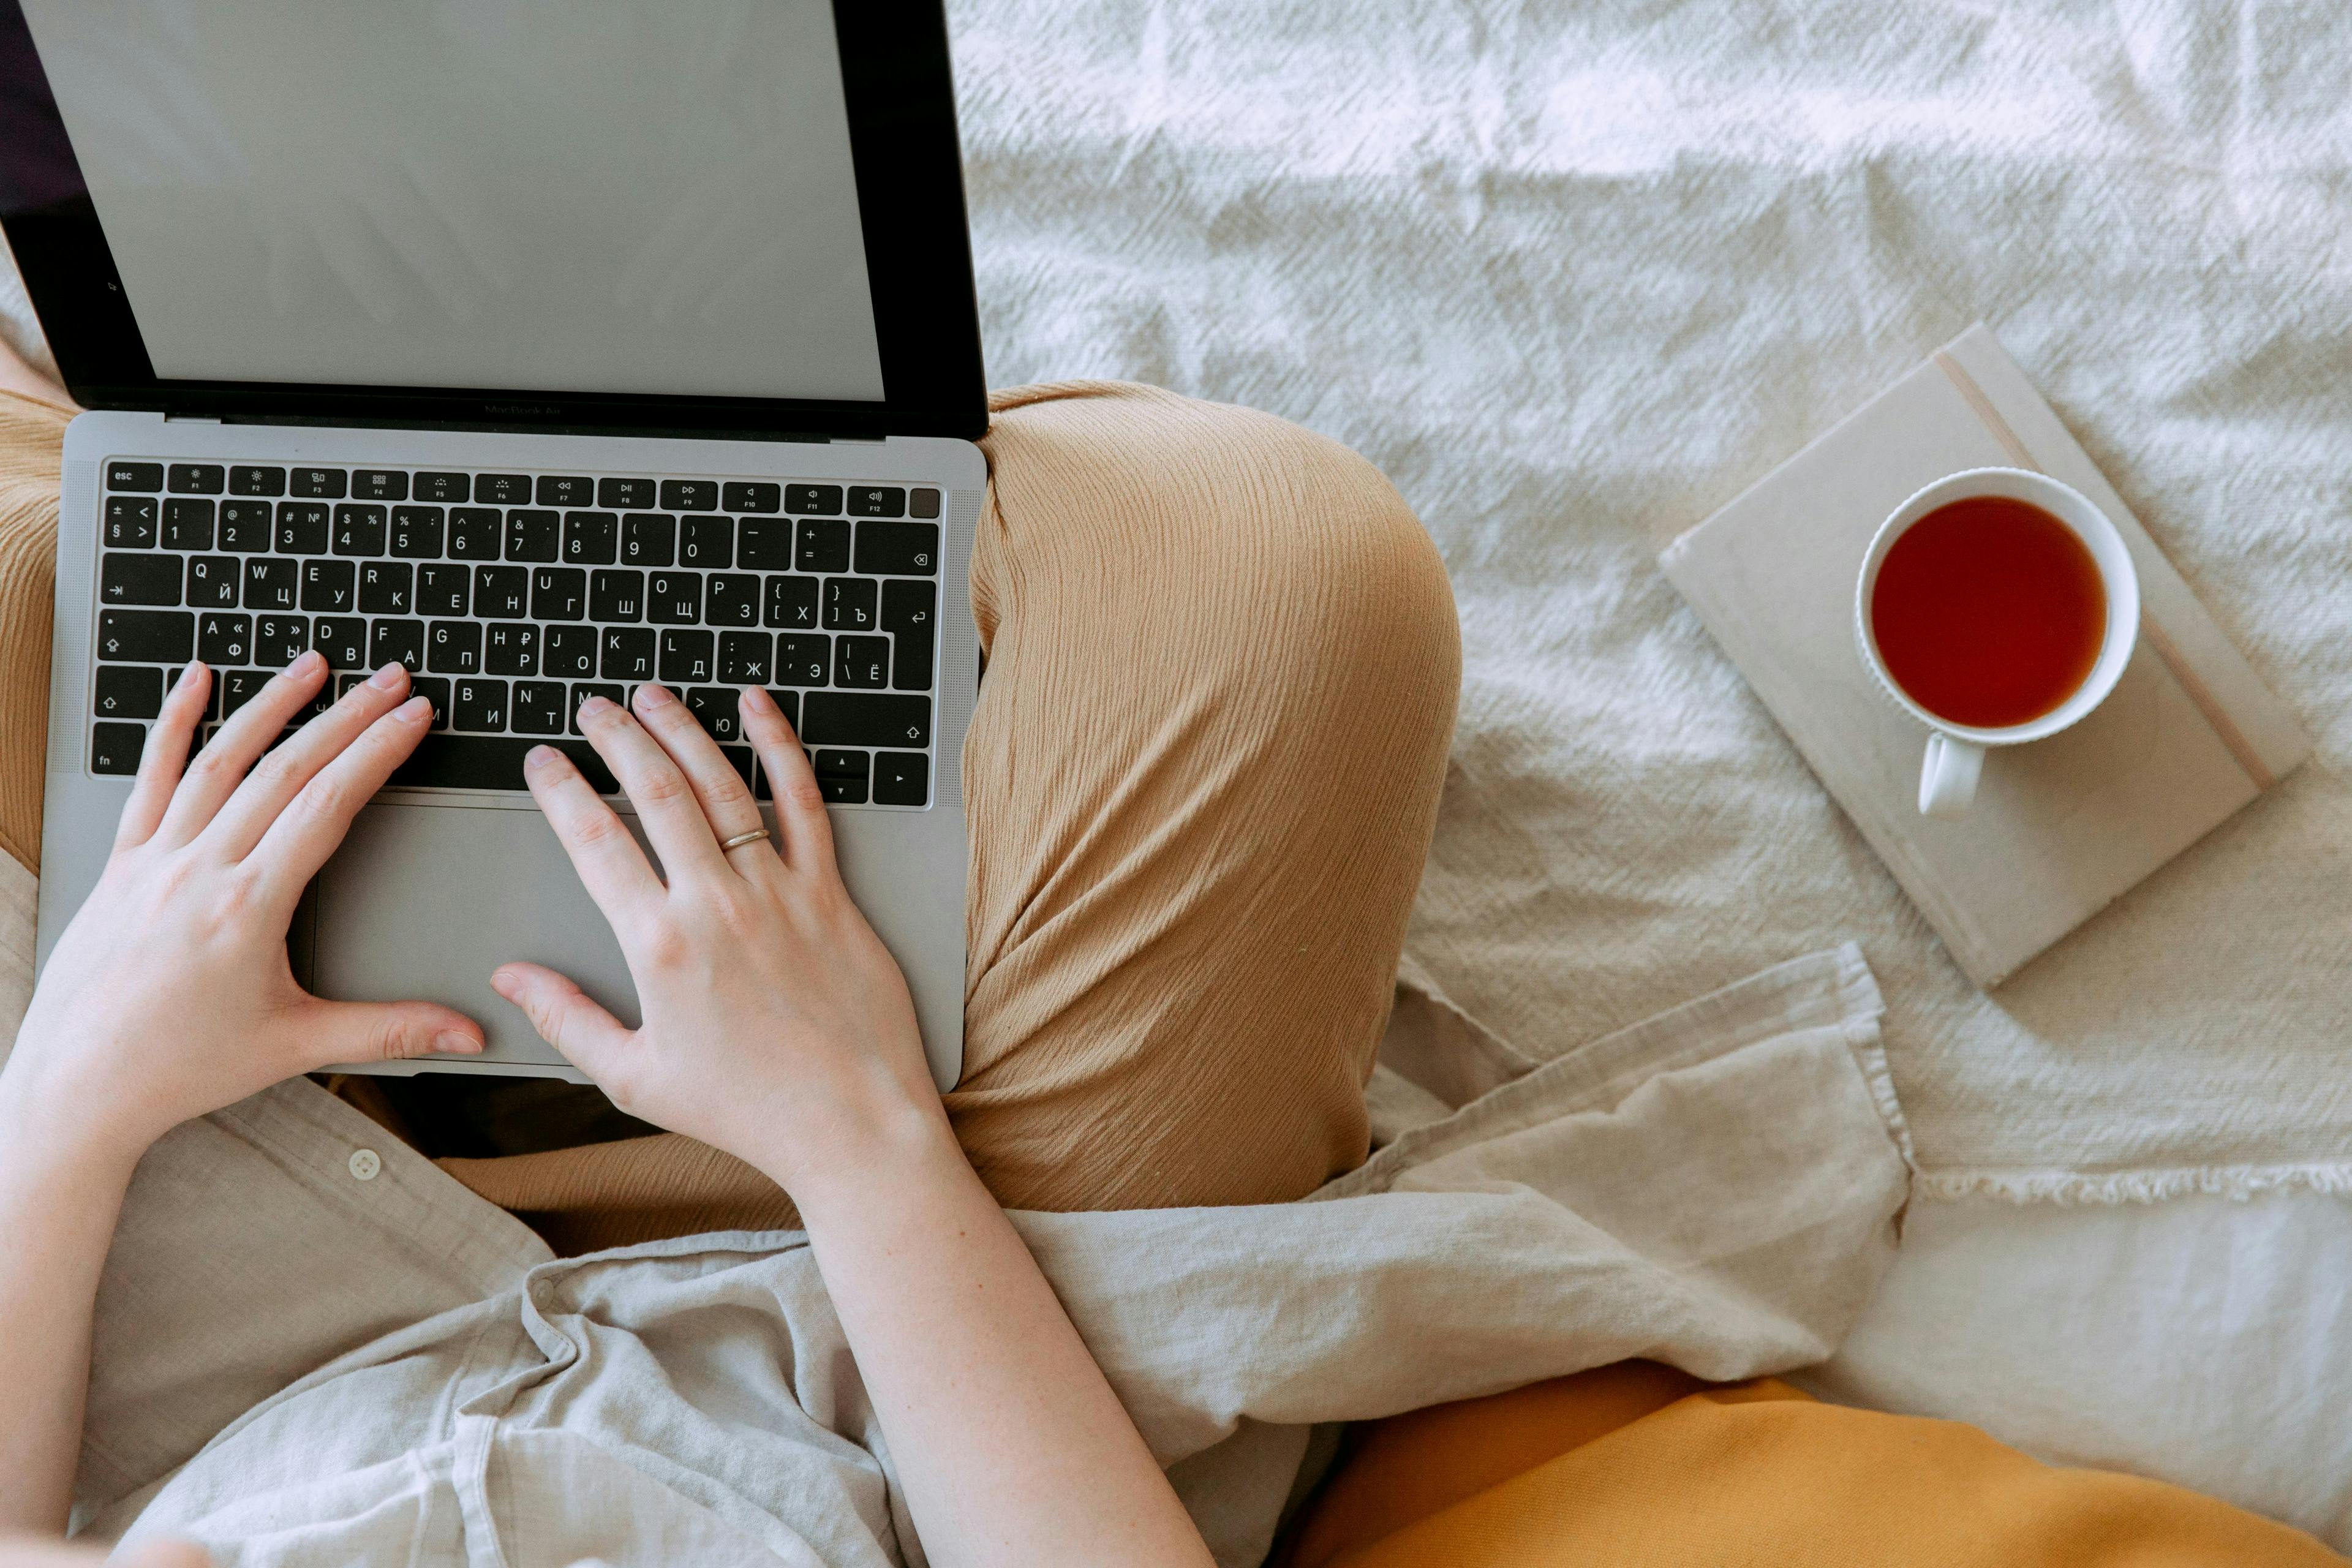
(646, 197)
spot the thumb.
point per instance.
(565, 1017)
(336, 1032)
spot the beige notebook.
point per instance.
(2060, 826)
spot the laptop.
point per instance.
(548, 350)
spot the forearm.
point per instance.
(60, 1193)
(1008, 1441)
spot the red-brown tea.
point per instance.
(1988, 612)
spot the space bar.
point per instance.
(491, 761)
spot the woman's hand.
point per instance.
(777, 1027)
(170, 996)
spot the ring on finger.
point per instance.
(740, 840)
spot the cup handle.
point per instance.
(1948, 777)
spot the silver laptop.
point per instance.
(548, 350)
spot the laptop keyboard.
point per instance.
(514, 598)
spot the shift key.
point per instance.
(147, 637)
(865, 718)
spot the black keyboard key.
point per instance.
(443, 588)
(196, 480)
(817, 501)
(479, 705)
(434, 689)
(792, 602)
(301, 529)
(623, 494)
(674, 598)
(379, 484)
(502, 593)
(512, 647)
(245, 525)
(876, 500)
(568, 652)
(901, 778)
(397, 642)
(803, 658)
(223, 639)
(248, 481)
(453, 647)
(559, 594)
(418, 531)
(212, 582)
(115, 748)
(751, 496)
(649, 539)
(330, 587)
(824, 547)
(898, 549)
(686, 656)
(910, 614)
(861, 661)
(272, 584)
(491, 761)
(715, 706)
(448, 488)
(130, 522)
(474, 533)
(706, 542)
(239, 686)
(849, 605)
(134, 476)
(628, 654)
(923, 503)
(616, 597)
(765, 544)
(359, 529)
(731, 599)
(581, 692)
(341, 641)
(533, 535)
(139, 580)
(566, 489)
(386, 588)
(127, 692)
(279, 640)
(841, 775)
(689, 495)
(865, 719)
(538, 708)
(502, 490)
(187, 525)
(318, 484)
(743, 657)
(789, 701)
(592, 538)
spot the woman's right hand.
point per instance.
(777, 1027)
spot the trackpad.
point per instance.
(424, 901)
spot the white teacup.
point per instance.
(1956, 753)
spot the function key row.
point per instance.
(741, 496)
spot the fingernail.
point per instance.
(504, 983)
(654, 696)
(188, 676)
(415, 709)
(457, 1042)
(595, 705)
(310, 661)
(538, 757)
(757, 699)
(389, 677)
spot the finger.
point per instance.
(799, 805)
(299, 840)
(331, 1033)
(566, 1017)
(166, 756)
(611, 866)
(725, 798)
(163, 1554)
(656, 786)
(257, 803)
(218, 768)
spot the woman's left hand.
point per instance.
(170, 994)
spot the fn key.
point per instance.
(115, 748)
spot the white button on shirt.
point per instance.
(365, 1164)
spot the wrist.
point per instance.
(48, 1131)
(833, 1162)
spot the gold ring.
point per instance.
(740, 840)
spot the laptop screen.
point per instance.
(630, 196)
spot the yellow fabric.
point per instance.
(30, 431)
(1638, 1465)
